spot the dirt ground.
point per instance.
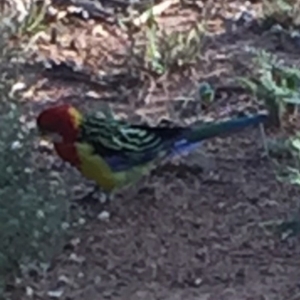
(202, 237)
(187, 234)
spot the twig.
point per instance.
(264, 139)
(154, 11)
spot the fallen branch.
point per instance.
(155, 10)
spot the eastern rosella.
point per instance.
(115, 153)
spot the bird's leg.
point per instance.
(96, 195)
(105, 198)
(102, 196)
(89, 197)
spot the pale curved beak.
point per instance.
(51, 136)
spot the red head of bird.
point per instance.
(60, 123)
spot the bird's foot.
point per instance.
(105, 197)
(95, 196)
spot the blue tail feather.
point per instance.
(192, 139)
(183, 140)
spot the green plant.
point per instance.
(291, 148)
(160, 51)
(31, 21)
(289, 172)
(33, 202)
(274, 84)
(34, 21)
(166, 51)
(282, 12)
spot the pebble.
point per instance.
(104, 216)
(55, 294)
(29, 291)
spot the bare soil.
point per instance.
(188, 233)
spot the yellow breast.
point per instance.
(95, 168)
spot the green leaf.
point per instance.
(248, 84)
(293, 99)
(295, 142)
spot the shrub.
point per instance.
(33, 203)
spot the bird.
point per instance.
(115, 153)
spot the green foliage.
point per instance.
(282, 19)
(34, 21)
(278, 88)
(165, 50)
(291, 148)
(282, 12)
(289, 173)
(33, 202)
(162, 51)
(277, 7)
(158, 50)
(274, 84)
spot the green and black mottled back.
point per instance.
(126, 144)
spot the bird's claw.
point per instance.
(96, 196)
(105, 198)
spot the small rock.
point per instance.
(19, 86)
(40, 214)
(29, 291)
(62, 279)
(61, 15)
(52, 11)
(92, 94)
(103, 198)
(80, 275)
(31, 125)
(104, 216)
(28, 170)
(74, 257)
(198, 281)
(44, 144)
(81, 221)
(221, 205)
(75, 242)
(55, 294)
(65, 226)
(98, 30)
(16, 145)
